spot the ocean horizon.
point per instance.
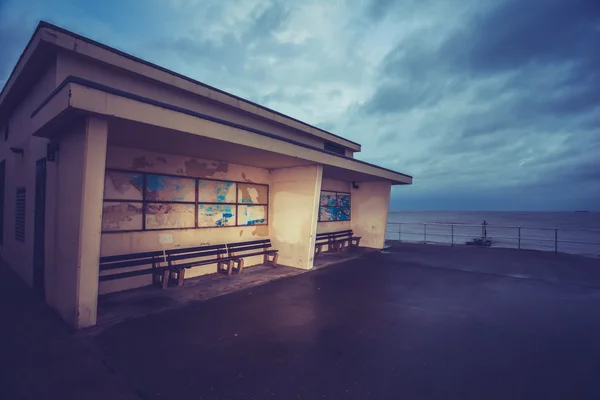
(573, 232)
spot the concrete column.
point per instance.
(293, 211)
(370, 204)
(80, 177)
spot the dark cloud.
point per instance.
(14, 35)
(518, 32)
(487, 103)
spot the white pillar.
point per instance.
(293, 213)
(80, 176)
(370, 204)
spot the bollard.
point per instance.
(400, 231)
(519, 238)
(452, 234)
(556, 240)
(425, 233)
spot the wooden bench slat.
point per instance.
(129, 274)
(132, 263)
(196, 254)
(248, 248)
(133, 256)
(193, 249)
(252, 242)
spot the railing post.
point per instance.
(399, 231)
(519, 238)
(452, 234)
(425, 233)
(556, 240)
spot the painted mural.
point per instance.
(168, 188)
(145, 201)
(334, 206)
(121, 216)
(253, 194)
(169, 215)
(123, 185)
(252, 215)
(216, 191)
(216, 215)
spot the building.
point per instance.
(104, 154)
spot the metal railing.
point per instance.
(519, 237)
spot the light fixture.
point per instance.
(354, 185)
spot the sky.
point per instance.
(488, 104)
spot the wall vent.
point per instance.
(335, 148)
(20, 215)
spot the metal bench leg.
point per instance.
(275, 259)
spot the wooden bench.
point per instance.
(336, 241)
(178, 260)
(151, 259)
(237, 252)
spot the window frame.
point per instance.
(337, 206)
(144, 202)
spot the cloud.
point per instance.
(488, 103)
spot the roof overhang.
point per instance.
(76, 96)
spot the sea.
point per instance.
(567, 232)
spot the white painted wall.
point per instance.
(370, 204)
(294, 199)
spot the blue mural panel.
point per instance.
(252, 215)
(169, 188)
(343, 199)
(334, 206)
(216, 215)
(216, 191)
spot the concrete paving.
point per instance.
(120, 306)
(413, 322)
(41, 359)
(374, 327)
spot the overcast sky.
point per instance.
(489, 104)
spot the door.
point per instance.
(39, 226)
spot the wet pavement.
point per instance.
(41, 359)
(426, 322)
(130, 304)
(412, 322)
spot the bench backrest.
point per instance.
(334, 235)
(195, 252)
(241, 247)
(130, 260)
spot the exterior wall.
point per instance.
(370, 204)
(73, 64)
(20, 172)
(79, 209)
(294, 199)
(115, 243)
(340, 186)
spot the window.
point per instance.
(20, 215)
(335, 148)
(2, 181)
(135, 201)
(334, 206)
